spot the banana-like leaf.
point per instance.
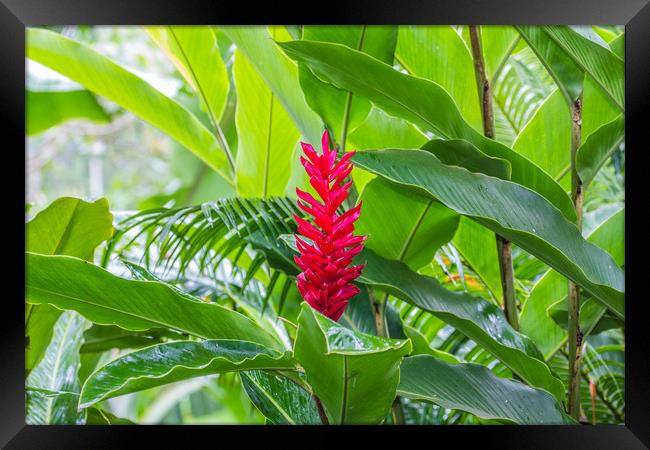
(194, 52)
(420, 101)
(546, 138)
(281, 401)
(421, 347)
(419, 226)
(598, 148)
(498, 42)
(72, 284)
(478, 319)
(426, 51)
(478, 247)
(475, 389)
(53, 385)
(353, 374)
(104, 77)
(607, 69)
(279, 72)
(170, 362)
(47, 109)
(68, 226)
(552, 287)
(267, 136)
(97, 416)
(463, 154)
(512, 211)
(342, 111)
(567, 74)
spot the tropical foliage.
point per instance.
(490, 164)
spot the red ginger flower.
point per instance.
(325, 282)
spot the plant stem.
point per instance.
(321, 411)
(575, 334)
(504, 247)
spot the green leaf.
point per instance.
(70, 283)
(100, 338)
(57, 373)
(176, 361)
(463, 154)
(267, 136)
(546, 138)
(420, 101)
(567, 74)
(607, 69)
(68, 226)
(552, 287)
(438, 53)
(419, 226)
(478, 247)
(281, 401)
(279, 72)
(598, 148)
(104, 77)
(97, 416)
(421, 347)
(341, 111)
(353, 374)
(478, 319)
(51, 108)
(512, 211)
(475, 389)
(194, 52)
(498, 43)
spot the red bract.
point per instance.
(325, 282)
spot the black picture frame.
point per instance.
(15, 15)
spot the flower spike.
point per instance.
(325, 281)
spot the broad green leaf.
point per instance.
(594, 318)
(68, 226)
(419, 225)
(478, 247)
(597, 109)
(104, 77)
(514, 212)
(57, 373)
(47, 109)
(567, 74)
(194, 52)
(353, 374)
(421, 101)
(170, 362)
(475, 389)
(341, 110)
(617, 45)
(97, 416)
(281, 401)
(463, 154)
(439, 54)
(498, 43)
(266, 135)
(279, 72)
(478, 319)
(552, 287)
(546, 139)
(607, 69)
(103, 298)
(382, 130)
(598, 148)
(421, 347)
(100, 338)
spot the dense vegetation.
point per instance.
(490, 163)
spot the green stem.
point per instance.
(575, 334)
(504, 247)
